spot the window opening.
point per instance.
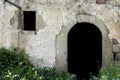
(29, 20)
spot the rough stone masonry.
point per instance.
(54, 18)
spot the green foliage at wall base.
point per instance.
(14, 65)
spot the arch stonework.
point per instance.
(61, 42)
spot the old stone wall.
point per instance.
(51, 17)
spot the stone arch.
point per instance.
(61, 42)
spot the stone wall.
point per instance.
(52, 16)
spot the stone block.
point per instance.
(117, 57)
(116, 48)
(114, 41)
(101, 1)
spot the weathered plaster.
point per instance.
(54, 18)
(40, 23)
(14, 21)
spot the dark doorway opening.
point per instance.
(84, 50)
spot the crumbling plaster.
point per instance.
(52, 16)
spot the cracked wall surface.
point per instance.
(51, 17)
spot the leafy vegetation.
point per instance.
(14, 65)
(110, 73)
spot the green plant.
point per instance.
(14, 65)
(12, 57)
(66, 76)
(14, 60)
(10, 76)
(110, 73)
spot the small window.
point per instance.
(29, 20)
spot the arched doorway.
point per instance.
(84, 49)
